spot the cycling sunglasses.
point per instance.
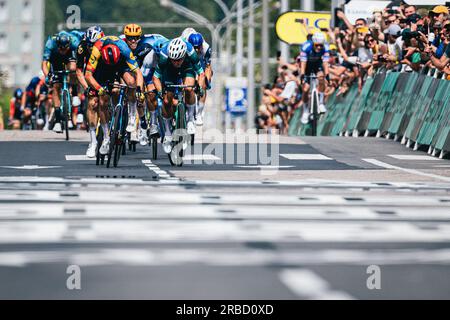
(133, 38)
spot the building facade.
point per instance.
(21, 39)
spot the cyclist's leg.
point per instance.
(152, 104)
(92, 115)
(189, 98)
(130, 80)
(202, 100)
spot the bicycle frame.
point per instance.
(314, 102)
(65, 110)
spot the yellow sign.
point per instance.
(292, 27)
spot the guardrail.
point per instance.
(413, 108)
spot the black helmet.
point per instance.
(18, 93)
(62, 40)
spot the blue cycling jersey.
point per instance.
(308, 54)
(145, 45)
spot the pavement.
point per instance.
(245, 217)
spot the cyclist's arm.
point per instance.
(38, 92)
(81, 79)
(44, 68)
(303, 67)
(208, 72)
(91, 80)
(157, 78)
(23, 101)
(81, 59)
(139, 79)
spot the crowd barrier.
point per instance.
(410, 107)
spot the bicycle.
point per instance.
(313, 102)
(66, 99)
(177, 153)
(117, 129)
(153, 139)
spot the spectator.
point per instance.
(399, 38)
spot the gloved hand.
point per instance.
(139, 95)
(102, 91)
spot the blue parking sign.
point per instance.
(236, 95)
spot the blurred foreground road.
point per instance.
(307, 227)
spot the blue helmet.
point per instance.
(62, 40)
(18, 93)
(195, 39)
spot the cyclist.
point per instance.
(314, 58)
(186, 33)
(29, 100)
(203, 50)
(84, 51)
(178, 62)
(148, 68)
(142, 47)
(112, 60)
(15, 113)
(60, 52)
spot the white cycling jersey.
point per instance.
(150, 62)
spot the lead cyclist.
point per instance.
(178, 62)
(314, 58)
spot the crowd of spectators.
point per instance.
(398, 38)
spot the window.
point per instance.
(26, 74)
(3, 43)
(27, 14)
(3, 10)
(26, 43)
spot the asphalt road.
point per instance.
(309, 221)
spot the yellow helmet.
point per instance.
(132, 30)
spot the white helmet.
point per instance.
(318, 38)
(187, 32)
(94, 33)
(177, 49)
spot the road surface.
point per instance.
(312, 224)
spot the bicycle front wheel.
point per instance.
(65, 112)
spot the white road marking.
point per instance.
(30, 167)
(304, 156)
(412, 171)
(412, 157)
(161, 173)
(308, 284)
(165, 211)
(230, 231)
(306, 183)
(198, 157)
(80, 157)
(227, 257)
